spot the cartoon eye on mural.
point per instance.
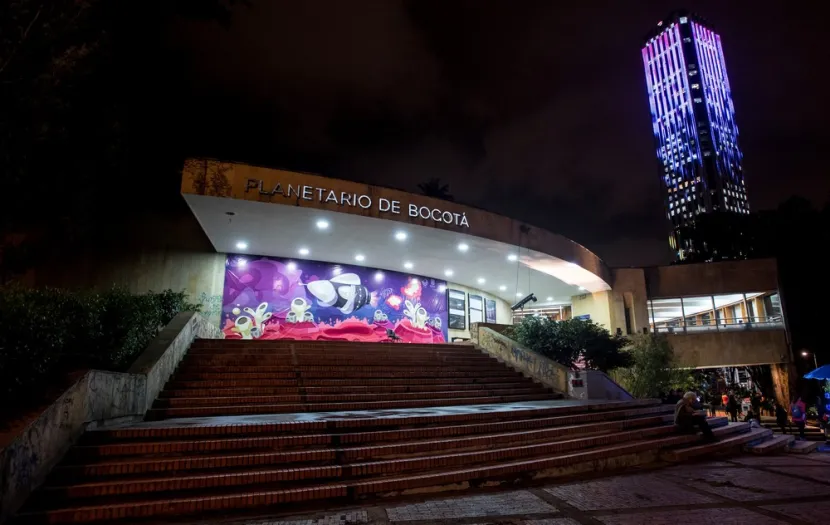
(268, 298)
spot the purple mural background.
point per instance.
(276, 298)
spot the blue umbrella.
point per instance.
(822, 372)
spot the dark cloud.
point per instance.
(532, 109)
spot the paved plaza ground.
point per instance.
(752, 490)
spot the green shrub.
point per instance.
(566, 342)
(653, 369)
(47, 332)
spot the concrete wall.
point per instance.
(688, 280)
(598, 306)
(730, 348)
(157, 253)
(97, 398)
(503, 313)
(630, 291)
(229, 180)
(535, 366)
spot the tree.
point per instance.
(435, 188)
(568, 342)
(80, 120)
(653, 370)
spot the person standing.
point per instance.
(732, 407)
(714, 402)
(798, 413)
(755, 402)
(781, 417)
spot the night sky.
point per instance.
(532, 109)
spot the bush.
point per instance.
(567, 342)
(47, 332)
(653, 369)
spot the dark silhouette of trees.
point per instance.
(87, 134)
(435, 188)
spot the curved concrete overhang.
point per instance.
(274, 211)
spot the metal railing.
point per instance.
(720, 325)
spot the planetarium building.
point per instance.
(301, 256)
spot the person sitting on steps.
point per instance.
(686, 418)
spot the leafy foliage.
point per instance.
(566, 342)
(653, 370)
(47, 332)
(435, 188)
(82, 85)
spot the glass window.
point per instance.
(666, 315)
(764, 308)
(699, 313)
(730, 310)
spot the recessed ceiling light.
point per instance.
(359, 257)
(242, 245)
(583, 288)
(322, 224)
(502, 288)
(481, 280)
(408, 265)
(378, 276)
(291, 266)
(550, 298)
(303, 251)
(240, 263)
(463, 247)
(401, 236)
(519, 294)
(448, 273)
(512, 257)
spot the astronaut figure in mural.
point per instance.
(344, 292)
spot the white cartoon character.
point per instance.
(344, 292)
(416, 313)
(244, 327)
(260, 315)
(299, 313)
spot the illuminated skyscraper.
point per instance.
(694, 126)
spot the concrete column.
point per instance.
(783, 382)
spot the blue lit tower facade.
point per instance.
(693, 119)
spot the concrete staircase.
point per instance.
(223, 378)
(267, 426)
(811, 432)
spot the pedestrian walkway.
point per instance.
(751, 490)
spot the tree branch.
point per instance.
(22, 39)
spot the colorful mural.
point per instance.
(274, 298)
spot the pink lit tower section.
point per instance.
(693, 119)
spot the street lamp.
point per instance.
(805, 353)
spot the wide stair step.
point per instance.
(803, 447)
(238, 378)
(250, 425)
(171, 470)
(772, 445)
(729, 437)
(811, 433)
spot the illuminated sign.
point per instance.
(355, 200)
